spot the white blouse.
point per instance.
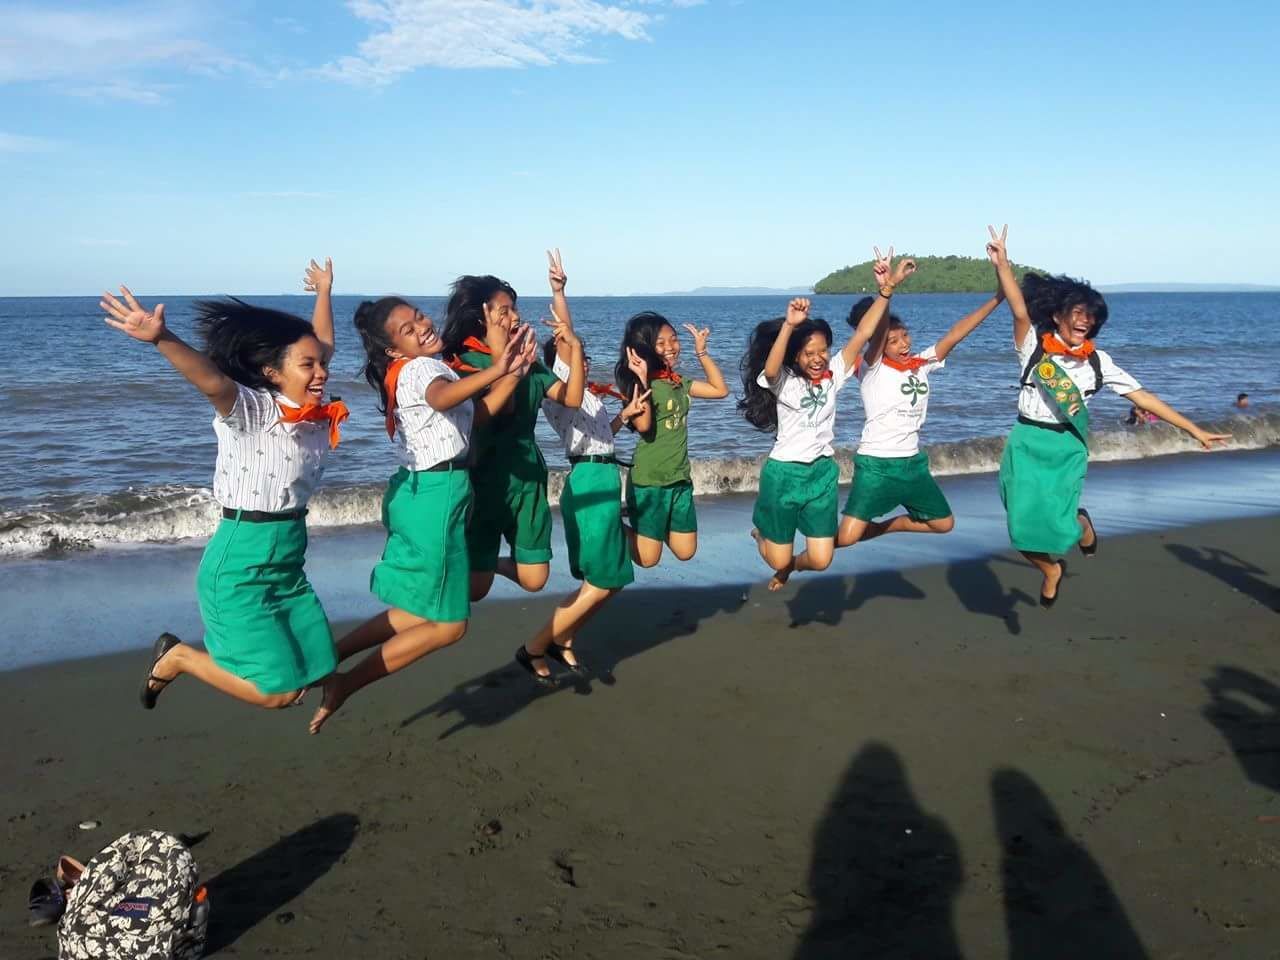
(806, 414)
(585, 432)
(1035, 405)
(426, 436)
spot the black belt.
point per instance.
(443, 466)
(262, 516)
(1055, 427)
(594, 458)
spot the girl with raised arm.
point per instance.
(264, 372)
(660, 491)
(510, 475)
(1055, 322)
(590, 504)
(424, 574)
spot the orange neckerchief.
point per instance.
(1053, 345)
(476, 345)
(335, 412)
(668, 375)
(909, 365)
(827, 375)
(390, 383)
(605, 390)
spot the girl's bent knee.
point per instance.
(819, 563)
(945, 525)
(278, 701)
(454, 632)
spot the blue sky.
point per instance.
(191, 147)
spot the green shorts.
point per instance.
(511, 509)
(424, 568)
(591, 505)
(659, 511)
(882, 483)
(797, 496)
(262, 620)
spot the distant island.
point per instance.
(734, 292)
(934, 275)
(1157, 286)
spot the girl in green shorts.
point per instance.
(423, 575)
(1055, 321)
(660, 492)
(509, 475)
(266, 635)
(790, 382)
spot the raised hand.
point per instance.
(1207, 440)
(700, 338)
(496, 333)
(882, 267)
(637, 365)
(904, 269)
(797, 311)
(996, 251)
(636, 406)
(518, 353)
(132, 318)
(318, 279)
(562, 329)
(555, 271)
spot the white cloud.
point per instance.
(17, 143)
(412, 34)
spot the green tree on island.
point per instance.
(933, 275)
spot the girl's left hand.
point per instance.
(496, 334)
(555, 272)
(518, 353)
(636, 406)
(797, 311)
(637, 365)
(132, 318)
(700, 337)
(562, 330)
(1207, 440)
(318, 279)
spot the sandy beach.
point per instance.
(898, 764)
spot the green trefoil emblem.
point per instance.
(915, 388)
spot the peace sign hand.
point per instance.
(132, 318)
(562, 330)
(637, 365)
(996, 251)
(518, 354)
(318, 279)
(700, 338)
(555, 271)
(636, 406)
(797, 311)
(881, 266)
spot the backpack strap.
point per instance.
(1036, 355)
(1096, 362)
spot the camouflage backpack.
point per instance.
(138, 899)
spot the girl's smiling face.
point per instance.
(303, 372)
(668, 345)
(814, 358)
(1074, 326)
(412, 334)
(503, 309)
(897, 343)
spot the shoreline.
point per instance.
(900, 763)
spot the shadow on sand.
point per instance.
(1236, 573)
(1246, 709)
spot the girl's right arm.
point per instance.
(871, 330)
(632, 411)
(642, 422)
(1009, 284)
(133, 319)
(445, 394)
(797, 313)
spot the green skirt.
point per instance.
(591, 507)
(262, 620)
(424, 568)
(1041, 478)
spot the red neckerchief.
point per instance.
(474, 344)
(335, 412)
(605, 390)
(1053, 345)
(817, 384)
(909, 365)
(668, 374)
(390, 383)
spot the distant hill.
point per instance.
(934, 275)
(1158, 287)
(733, 292)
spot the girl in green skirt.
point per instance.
(266, 635)
(1055, 322)
(424, 574)
(660, 491)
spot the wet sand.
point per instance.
(914, 763)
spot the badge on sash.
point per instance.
(1062, 390)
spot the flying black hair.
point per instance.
(242, 339)
(1051, 296)
(759, 404)
(641, 336)
(859, 310)
(464, 313)
(371, 323)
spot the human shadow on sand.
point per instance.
(1246, 709)
(633, 623)
(826, 599)
(884, 873)
(254, 889)
(980, 591)
(1236, 573)
(1057, 902)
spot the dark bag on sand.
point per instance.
(138, 899)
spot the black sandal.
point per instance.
(1048, 602)
(556, 652)
(46, 903)
(1092, 548)
(149, 694)
(525, 659)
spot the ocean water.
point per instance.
(103, 443)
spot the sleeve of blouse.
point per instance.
(1114, 377)
(253, 411)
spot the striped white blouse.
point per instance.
(424, 435)
(585, 432)
(264, 464)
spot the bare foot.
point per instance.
(779, 579)
(335, 695)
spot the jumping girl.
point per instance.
(265, 372)
(423, 575)
(1055, 321)
(789, 385)
(660, 494)
(590, 505)
(510, 475)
